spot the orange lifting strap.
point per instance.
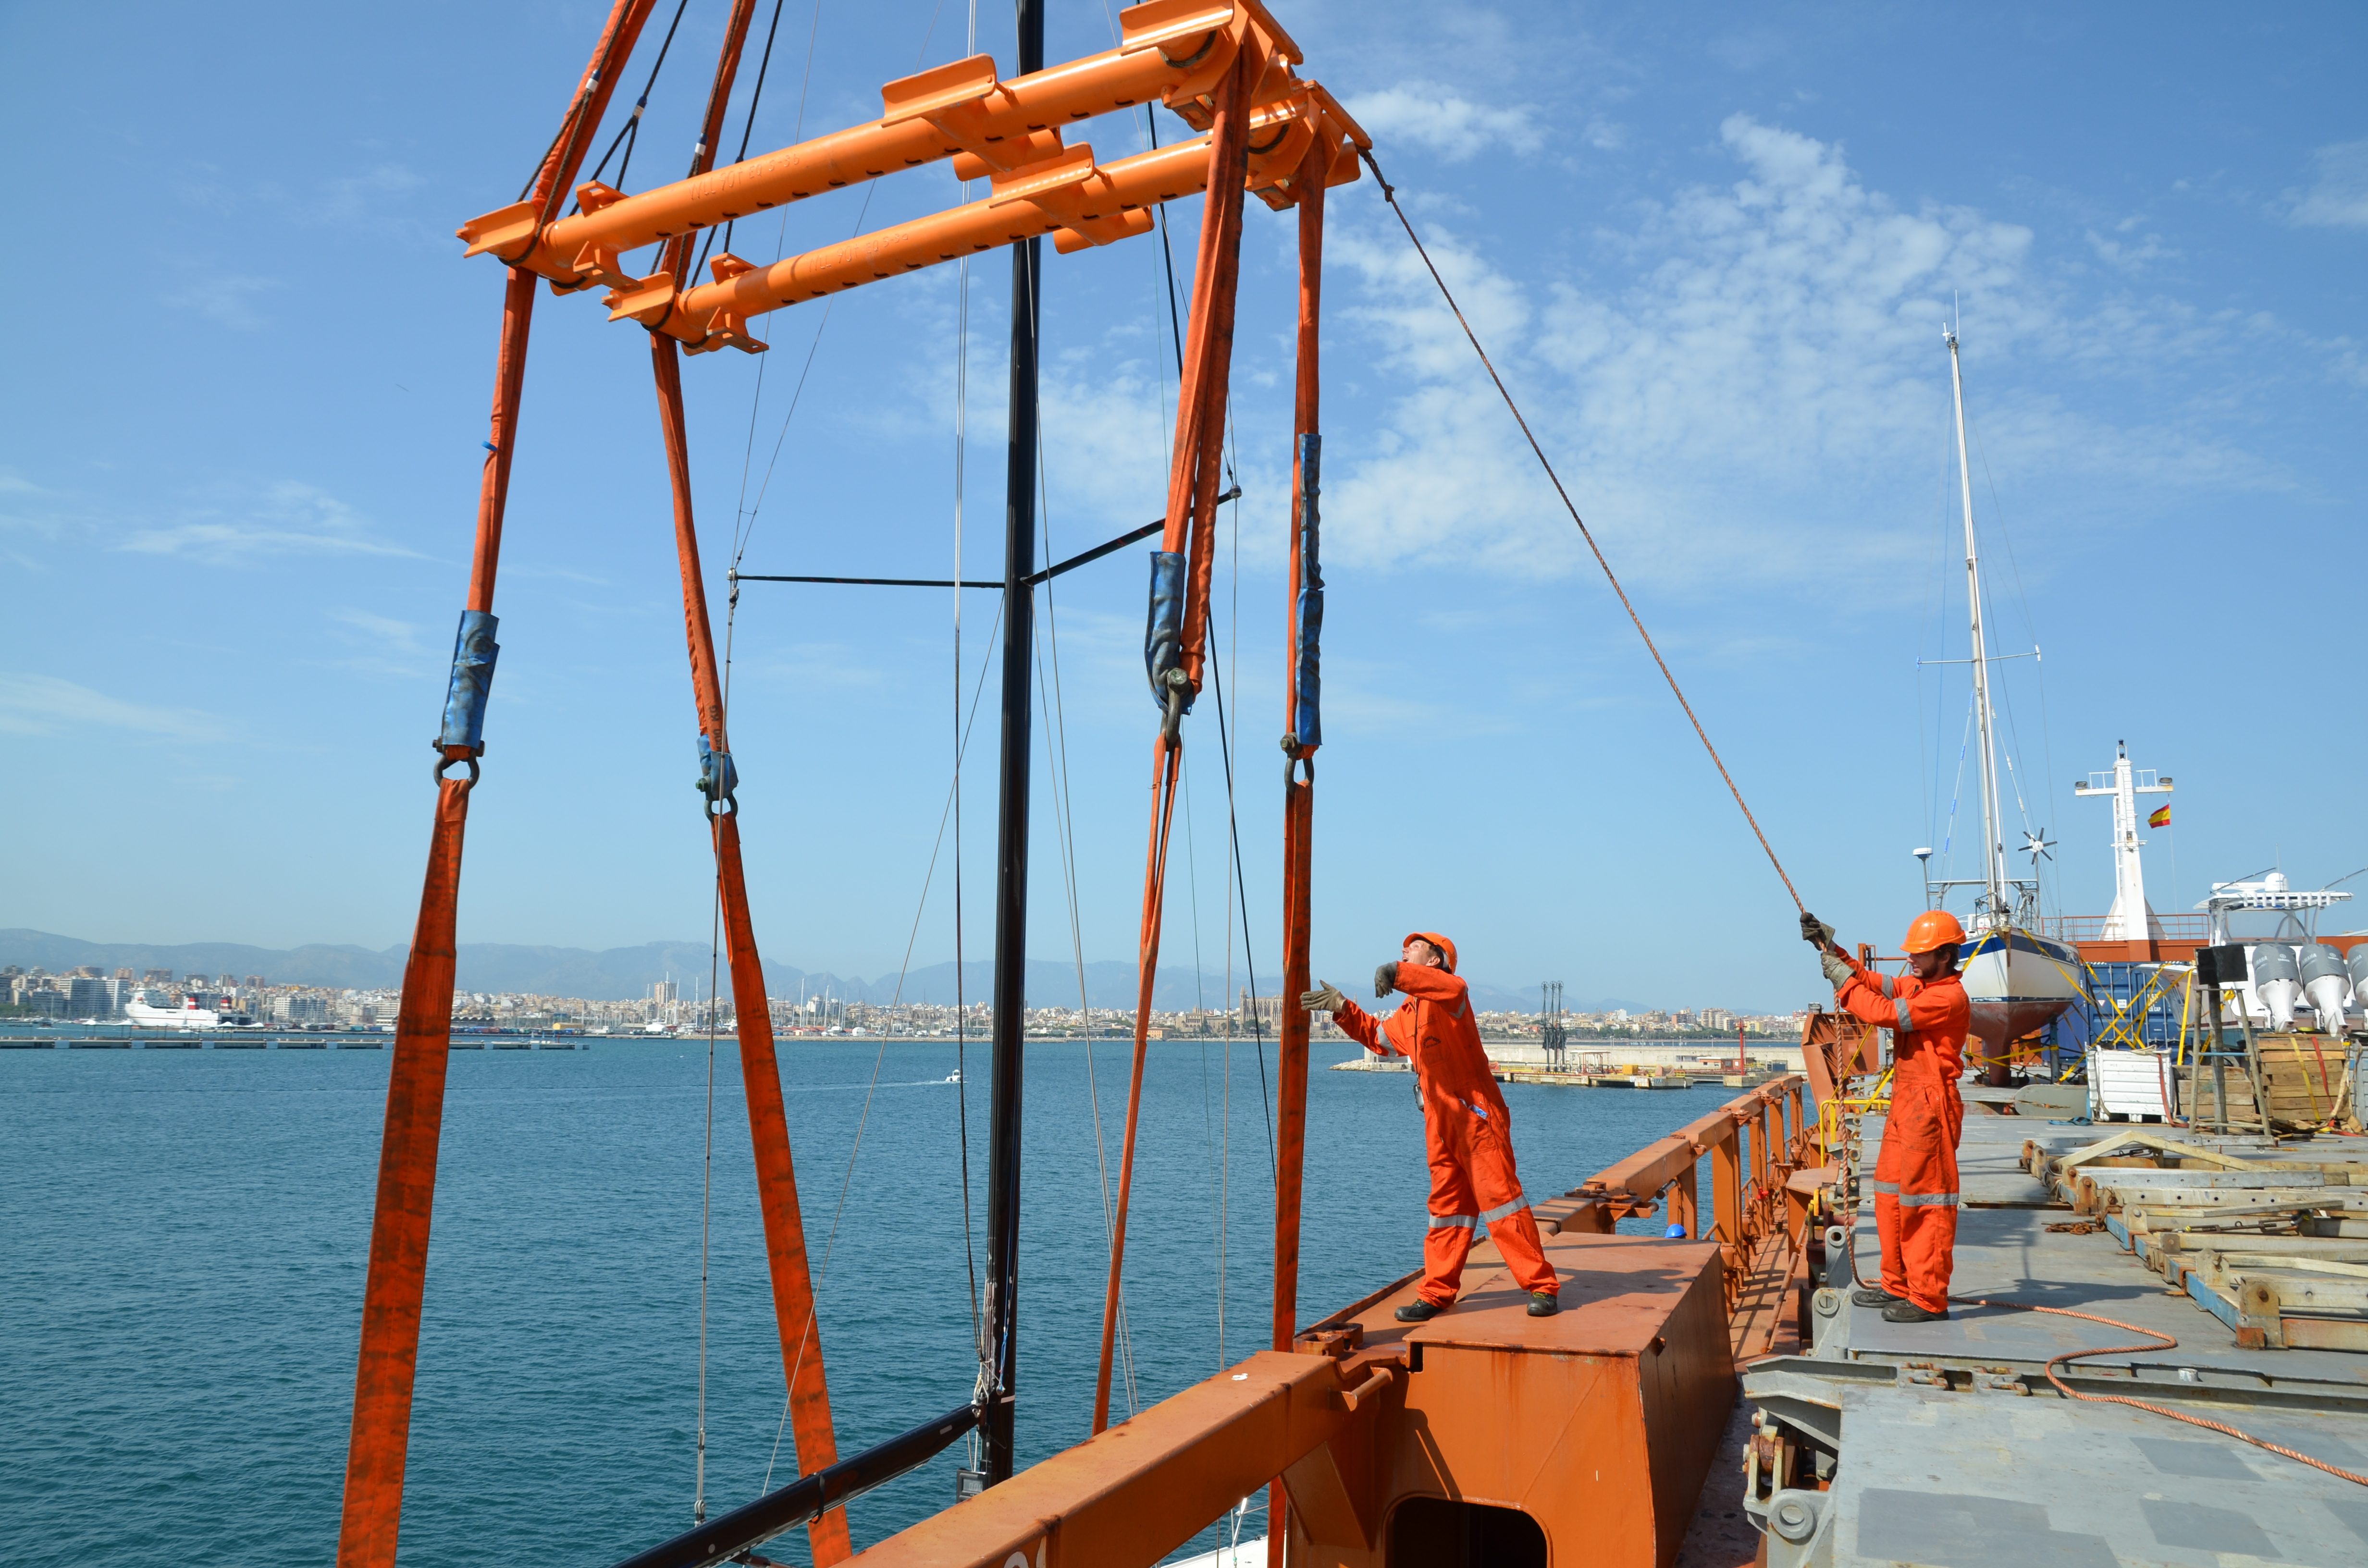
(760, 1074)
(1191, 531)
(1300, 737)
(380, 1435)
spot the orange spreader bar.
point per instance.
(1178, 52)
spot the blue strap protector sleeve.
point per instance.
(1163, 636)
(717, 779)
(474, 652)
(1307, 713)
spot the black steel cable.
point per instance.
(1390, 194)
(629, 132)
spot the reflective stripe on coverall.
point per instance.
(1472, 1181)
(1915, 1175)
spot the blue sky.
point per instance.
(1712, 249)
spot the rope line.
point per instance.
(1390, 193)
(2167, 1343)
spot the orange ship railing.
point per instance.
(1759, 1213)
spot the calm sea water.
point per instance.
(183, 1237)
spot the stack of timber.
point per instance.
(2270, 1237)
(2308, 1080)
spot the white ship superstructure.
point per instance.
(2130, 919)
(2288, 970)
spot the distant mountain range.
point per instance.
(622, 973)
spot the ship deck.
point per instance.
(1945, 1444)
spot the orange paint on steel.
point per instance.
(1168, 756)
(1133, 1495)
(406, 1198)
(1078, 202)
(760, 1074)
(378, 1440)
(951, 110)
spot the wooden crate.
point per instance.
(2304, 1078)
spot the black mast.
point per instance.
(1011, 828)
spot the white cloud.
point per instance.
(1779, 338)
(226, 301)
(291, 518)
(365, 199)
(45, 705)
(2338, 198)
(2129, 254)
(1454, 128)
(381, 630)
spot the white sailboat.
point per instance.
(2018, 980)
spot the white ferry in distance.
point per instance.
(187, 1015)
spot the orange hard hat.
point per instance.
(1933, 929)
(1446, 947)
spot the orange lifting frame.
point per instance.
(1180, 52)
(1226, 69)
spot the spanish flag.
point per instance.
(2161, 817)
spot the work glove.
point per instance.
(1325, 998)
(1837, 970)
(1813, 931)
(1385, 980)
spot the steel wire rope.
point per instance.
(929, 876)
(741, 544)
(2022, 599)
(629, 133)
(1389, 193)
(1929, 767)
(1064, 838)
(571, 123)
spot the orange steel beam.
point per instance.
(760, 1072)
(387, 1362)
(1171, 49)
(1130, 1495)
(1071, 197)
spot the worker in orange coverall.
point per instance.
(1473, 1182)
(1915, 1175)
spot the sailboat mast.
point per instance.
(1993, 869)
(1009, 1029)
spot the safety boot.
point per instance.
(1544, 1303)
(1873, 1296)
(1419, 1311)
(1905, 1311)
